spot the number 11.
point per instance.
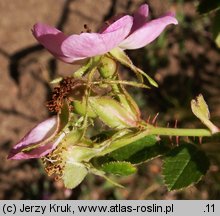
(210, 208)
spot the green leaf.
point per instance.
(138, 151)
(119, 168)
(124, 153)
(148, 153)
(184, 166)
(206, 6)
(73, 175)
(201, 111)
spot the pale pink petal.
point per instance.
(43, 138)
(140, 17)
(142, 11)
(51, 38)
(93, 44)
(40, 151)
(147, 33)
(110, 22)
(39, 134)
(77, 47)
(34, 153)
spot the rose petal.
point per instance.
(148, 32)
(39, 134)
(110, 22)
(76, 47)
(142, 11)
(93, 44)
(140, 17)
(41, 139)
(40, 151)
(51, 38)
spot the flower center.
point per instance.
(69, 86)
(54, 162)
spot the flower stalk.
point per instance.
(184, 132)
(131, 137)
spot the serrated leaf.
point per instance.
(184, 166)
(119, 168)
(207, 6)
(73, 175)
(148, 153)
(124, 153)
(201, 111)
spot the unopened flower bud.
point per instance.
(112, 113)
(108, 67)
(81, 108)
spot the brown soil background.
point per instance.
(189, 64)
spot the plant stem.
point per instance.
(151, 130)
(179, 132)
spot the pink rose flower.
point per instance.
(126, 32)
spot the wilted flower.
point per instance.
(42, 139)
(53, 142)
(126, 32)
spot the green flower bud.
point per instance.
(108, 67)
(81, 109)
(112, 113)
